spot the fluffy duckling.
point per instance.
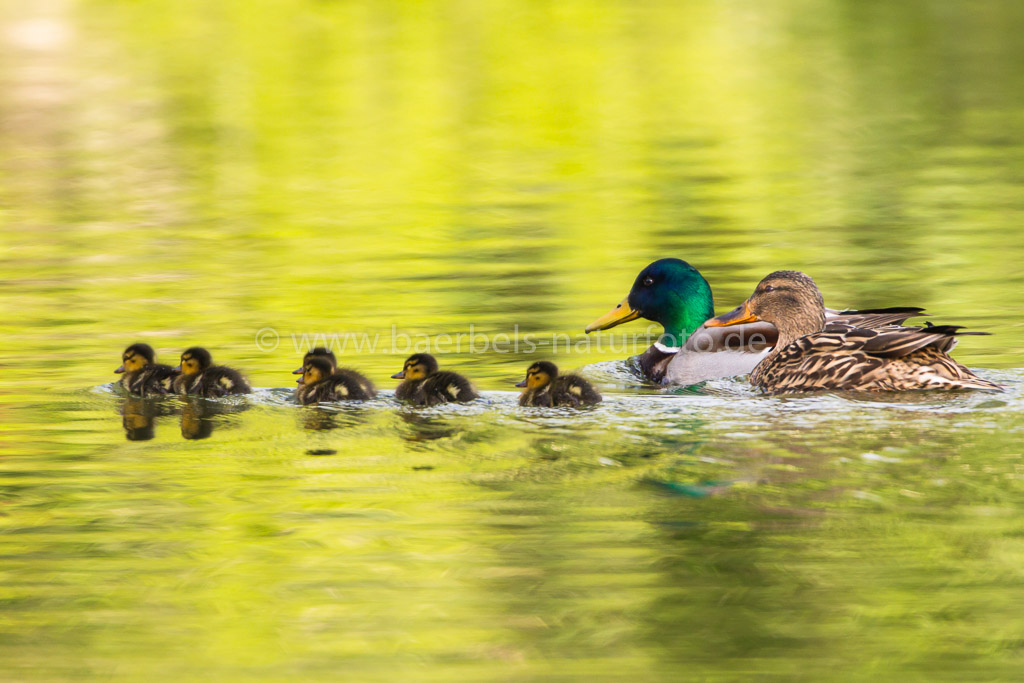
(424, 385)
(321, 382)
(317, 352)
(199, 376)
(815, 354)
(546, 388)
(142, 375)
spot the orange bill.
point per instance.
(737, 316)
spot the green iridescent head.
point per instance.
(669, 291)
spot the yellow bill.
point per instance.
(618, 315)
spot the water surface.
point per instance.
(196, 173)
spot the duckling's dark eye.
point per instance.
(648, 281)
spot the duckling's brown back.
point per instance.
(573, 390)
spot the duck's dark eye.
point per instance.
(648, 281)
(768, 288)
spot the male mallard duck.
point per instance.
(814, 353)
(321, 381)
(200, 377)
(142, 375)
(546, 388)
(424, 385)
(673, 293)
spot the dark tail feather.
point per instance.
(901, 341)
(909, 310)
(879, 317)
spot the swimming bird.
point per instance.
(200, 377)
(814, 353)
(546, 388)
(674, 293)
(321, 382)
(142, 375)
(317, 352)
(425, 385)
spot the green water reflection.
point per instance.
(192, 172)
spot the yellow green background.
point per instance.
(190, 172)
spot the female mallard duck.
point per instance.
(142, 375)
(546, 388)
(814, 353)
(424, 385)
(200, 377)
(673, 293)
(321, 382)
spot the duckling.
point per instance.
(317, 352)
(546, 388)
(199, 376)
(816, 354)
(424, 385)
(142, 376)
(321, 382)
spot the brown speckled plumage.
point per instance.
(813, 354)
(887, 359)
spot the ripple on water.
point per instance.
(729, 406)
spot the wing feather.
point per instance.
(891, 357)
